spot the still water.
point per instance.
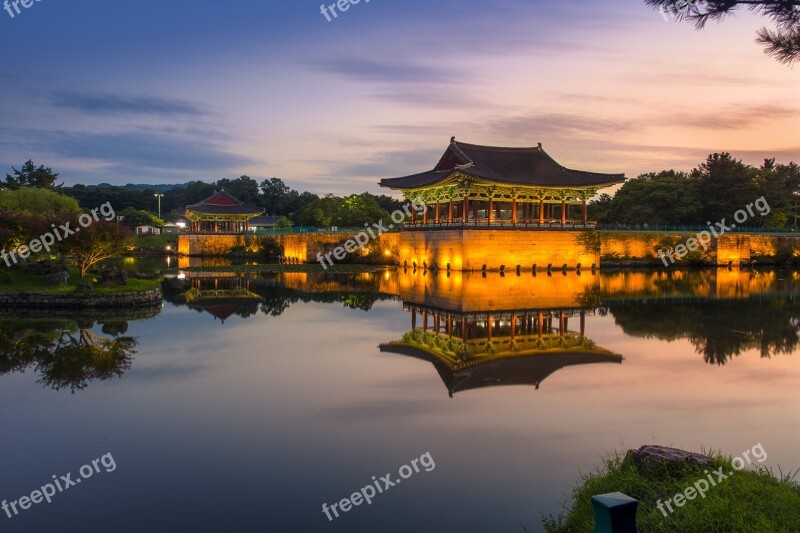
(247, 402)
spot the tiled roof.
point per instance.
(222, 203)
(520, 166)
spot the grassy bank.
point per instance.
(155, 244)
(13, 280)
(748, 501)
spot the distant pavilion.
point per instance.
(221, 213)
(485, 186)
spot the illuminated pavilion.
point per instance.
(485, 186)
(221, 213)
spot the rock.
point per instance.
(113, 277)
(654, 456)
(85, 286)
(56, 278)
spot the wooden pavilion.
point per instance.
(221, 213)
(485, 186)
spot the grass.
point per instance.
(12, 280)
(279, 269)
(748, 501)
(155, 243)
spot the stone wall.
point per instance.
(735, 248)
(470, 249)
(75, 300)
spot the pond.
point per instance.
(249, 401)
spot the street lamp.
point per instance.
(159, 196)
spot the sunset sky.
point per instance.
(167, 92)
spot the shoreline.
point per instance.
(75, 300)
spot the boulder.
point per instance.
(56, 278)
(85, 286)
(653, 456)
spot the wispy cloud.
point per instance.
(106, 104)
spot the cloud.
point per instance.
(733, 117)
(106, 104)
(130, 154)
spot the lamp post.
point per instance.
(159, 196)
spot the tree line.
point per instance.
(714, 190)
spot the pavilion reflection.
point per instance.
(480, 333)
(220, 294)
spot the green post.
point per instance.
(614, 513)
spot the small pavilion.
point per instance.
(486, 186)
(221, 213)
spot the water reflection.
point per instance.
(65, 352)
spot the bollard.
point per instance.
(614, 513)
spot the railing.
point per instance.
(282, 231)
(691, 229)
(505, 223)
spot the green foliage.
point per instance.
(716, 189)
(359, 209)
(31, 176)
(37, 201)
(283, 223)
(98, 242)
(748, 501)
(137, 217)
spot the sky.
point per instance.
(148, 91)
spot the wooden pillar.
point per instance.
(413, 319)
(541, 211)
(489, 211)
(450, 326)
(583, 323)
(514, 211)
(489, 326)
(463, 328)
(414, 216)
(438, 205)
(450, 211)
(425, 214)
(563, 212)
(585, 218)
(424, 321)
(466, 209)
(539, 324)
(436, 322)
(513, 326)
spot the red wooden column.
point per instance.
(584, 213)
(414, 215)
(438, 205)
(541, 211)
(425, 214)
(514, 211)
(466, 209)
(450, 211)
(489, 211)
(563, 212)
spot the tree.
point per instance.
(31, 176)
(359, 209)
(277, 197)
(100, 241)
(39, 202)
(782, 43)
(27, 213)
(136, 217)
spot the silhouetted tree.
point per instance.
(782, 43)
